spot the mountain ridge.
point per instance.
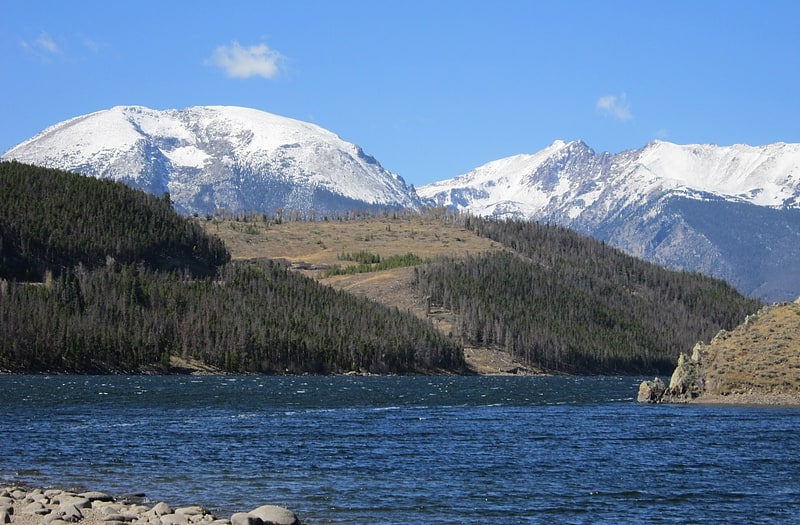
(645, 201)
(730, 172)
(732, 212)
(212, 157)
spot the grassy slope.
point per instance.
(759, 361)
(321, 244)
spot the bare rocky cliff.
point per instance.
(756, 363)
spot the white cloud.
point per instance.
(47, 44)
(92, 45)
(246, 62)
(615, 106)
(43, 43)
(42, 48)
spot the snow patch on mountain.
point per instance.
(211, 157)
(568, 177)
(641, 201)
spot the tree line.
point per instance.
(51, 220)
(252, 317)
(98, 277)
(565, 302)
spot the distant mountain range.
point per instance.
(220, 157)
(731, 212)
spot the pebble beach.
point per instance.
(26, 506)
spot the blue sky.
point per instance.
(431, 88)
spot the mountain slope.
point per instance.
(732, 212)
(128, 285)
(53, 221)
(219, 157)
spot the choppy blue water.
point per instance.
(403, 450)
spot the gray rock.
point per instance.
(108, 508)
(35, 507)
(138, 509)
(5, 517)
(120, 517)
(59, 521)
(651, 391)
(191, 511)
(75, 500)
(36, 495)
(274, 515)
(174, 519)
(70, 512)
(94, 495)
(245, 518)
(687, 381)
(162, 508)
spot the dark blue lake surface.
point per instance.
(403, 450)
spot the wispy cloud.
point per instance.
(46, 43)
(90, 44)
(64, 49)
(245, 62)
(42, 45)
(616, 107)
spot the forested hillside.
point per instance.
(52, 220)
(95, 276)
(255, 317)
(119, 294)
(572, 304)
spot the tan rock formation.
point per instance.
(756, 363)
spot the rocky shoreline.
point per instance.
(757, 363)
(24, 506)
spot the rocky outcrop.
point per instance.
(19, 506)
(756, 363)
(687, 381)
(651, 391)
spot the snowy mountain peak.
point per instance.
(211, 157)
(732, 212)
(563, 173)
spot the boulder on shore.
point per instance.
(56, 507)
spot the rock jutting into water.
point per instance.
(685, 384)
(20, 506)
(758, 362)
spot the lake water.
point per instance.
(405, 450)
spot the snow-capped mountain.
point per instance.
(732, 212)
(220, 157)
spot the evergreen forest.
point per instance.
(51, 220)
(98, 277)
(566, 302)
